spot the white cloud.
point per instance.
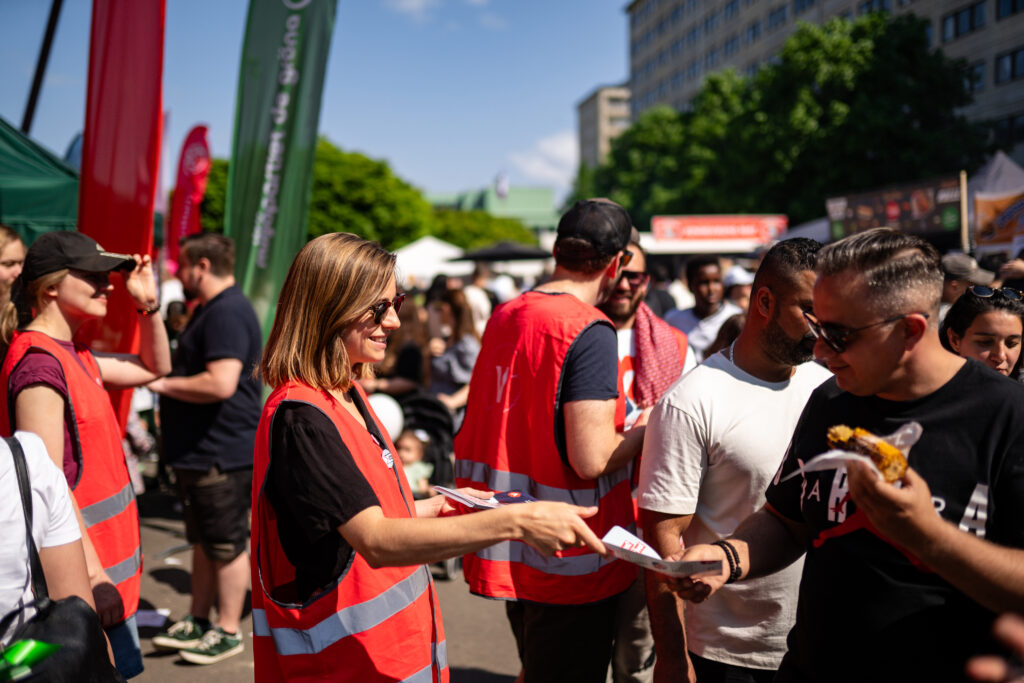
(550, 161)
(416, 9)
(492, 21)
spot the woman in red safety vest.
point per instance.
(55, 387)
(341, 590)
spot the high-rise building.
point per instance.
(674, 44)
(601, 116)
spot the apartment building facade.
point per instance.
(600, 117)
(674, 44)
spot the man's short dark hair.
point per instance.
(218, 249)
(694, 265)
(901, 271)
(783, 264)
(591, 234)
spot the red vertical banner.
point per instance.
(121, 151)
(193, 169)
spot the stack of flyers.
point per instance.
(496, 499)
(626, 546)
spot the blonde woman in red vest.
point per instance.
(55, 387)
(341, 590)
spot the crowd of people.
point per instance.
(606, 394)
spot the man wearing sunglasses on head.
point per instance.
(541, 418)
(210, 408)
(901, 581)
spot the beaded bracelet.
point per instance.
(733, 558)
(146, 312)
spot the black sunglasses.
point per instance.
(984, 292)
(838, 337)
(626, 257)
(635, 278)
(381, 309)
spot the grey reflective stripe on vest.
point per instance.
(125, 569)
(575, 565)
(110, 507)
(439, 661)
(497, 480)
(345, 622)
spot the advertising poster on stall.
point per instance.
(926, 208)
(999, 217)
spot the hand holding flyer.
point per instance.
(477, 503)
(626, 546)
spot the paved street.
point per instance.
(480, 645)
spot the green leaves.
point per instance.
(846, 106)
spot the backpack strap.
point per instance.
(38, 578)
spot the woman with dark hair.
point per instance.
(451, 367)
(986, 324)
(340, 590)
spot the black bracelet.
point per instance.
(733, 558)
(146, 312)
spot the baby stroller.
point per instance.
(424, 413)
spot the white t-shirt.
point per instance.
(53, 520)
(713, 443)
(701, 331)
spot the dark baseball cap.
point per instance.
(593, 228)
(958, 266)
(53, 251)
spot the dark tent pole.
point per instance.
(44, 57)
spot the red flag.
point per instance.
(193, 169)
(121, 151)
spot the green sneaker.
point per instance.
(215, 645)
(182, 634)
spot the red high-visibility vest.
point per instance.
(507, 441)
(104, 491)
(373, 624)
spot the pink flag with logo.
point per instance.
(193, 170)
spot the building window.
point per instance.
(691, 36)
(1010, 66)
(801, 6)
(710, 23)
(731, 9)
(751, 69)
(677, 14)
(777, 17)
(1007, 7)
(731, 45)
(692, 70)
(874, 6)
(711, 59)
(963, 21)
(1009, 131)
(752, 33)
(975, 80)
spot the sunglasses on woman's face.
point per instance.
(381, 309)
(987, 292)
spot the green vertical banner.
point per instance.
(270, 179)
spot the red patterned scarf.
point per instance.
(658, 360)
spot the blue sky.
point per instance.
(449, 92)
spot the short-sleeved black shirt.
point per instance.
(866, 612)
(314, 486)
(197, 436)
(590, 373)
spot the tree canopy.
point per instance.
(848, 105)
(354, 193)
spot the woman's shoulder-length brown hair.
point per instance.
(331, 284)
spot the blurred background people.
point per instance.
(12, 258)
(986, 324)
(959, 272)
(710, 308)
(658, 298)
(737, 283)
(453, 357)
(55, 388)
(210, 407)
(478, 297)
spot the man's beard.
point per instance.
(783, 349)
(619, 316)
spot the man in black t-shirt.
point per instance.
(210, 408)
(900, 582)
